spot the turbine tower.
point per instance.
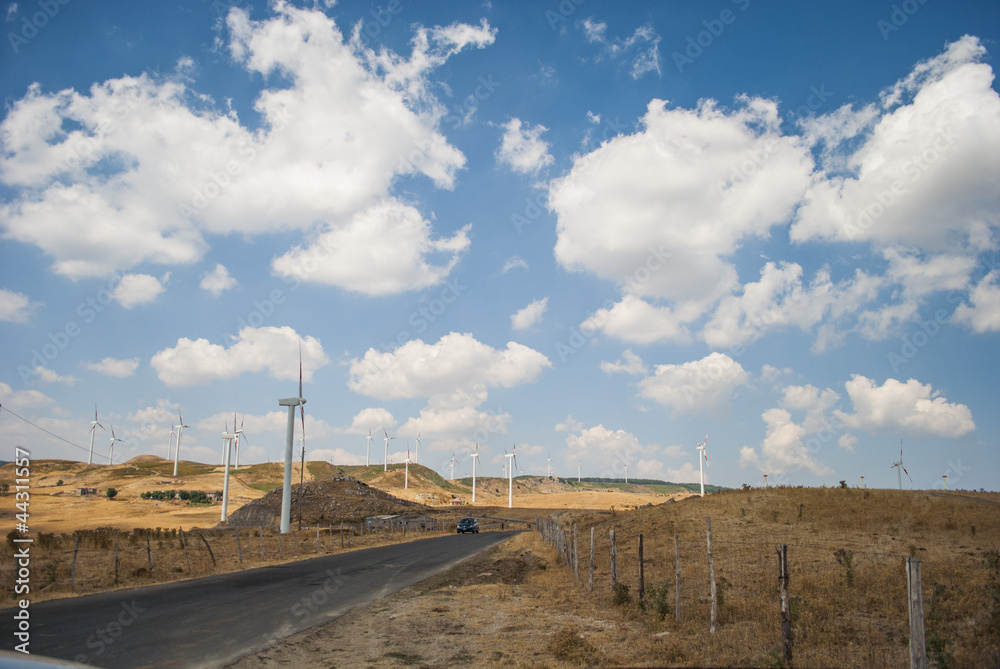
(227, 445)
(452, 467)
(170, 443)
(385, 466)
(180, 430)
(416, 456)
(475, 459)
(406, 484)
(239, 435)
(626, 474)
(511, 459)
(702, 461)
(899, 466)
(286, 490)
(368, 448)
(548, 469)
(579, 470)
(93, 428)
(111, 455)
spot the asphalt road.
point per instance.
(211, 621)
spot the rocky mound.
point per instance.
(343, 499)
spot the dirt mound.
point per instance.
(139, 459)
(344, 499)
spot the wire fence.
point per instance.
(844, 608)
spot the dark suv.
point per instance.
(467, 525)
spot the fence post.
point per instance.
(914, 591)
(239, 546)
(209, 548)
(317, 538)
(116, 557)
(786, 610)
(149, 557)
(711, 575)
(184, 545)
(576, 555)
(642, 574)
(614, 561)
(590, 584)
(677, 577)
(72, 570)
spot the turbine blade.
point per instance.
(300, 368)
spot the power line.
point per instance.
(39, 427)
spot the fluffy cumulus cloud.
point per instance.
(96, 191)
(605, 452)
(910, 407)
(16, 307)
(49, 376)
(273, 349)
(454, 374)
(137, 289)
(27, 399)
(217, 281)
(684, 192)
(529, 316)
(636, 321)
(114, 367)
(522, 148)
(629, 363)
(701, 386)
(982, 312)
(920, 169)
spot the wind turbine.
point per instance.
(475, 459)
(93, 428)
(626, 474)
(170, 443)
(286, 490)
(548, 469)
(385, 466)
(899, 466)
(368, 449)
(452, 467)
(111, 455)
(702, 461)
(180, 430)
(236, 441)
(512, 462)
(579, 469)
(416, 456)
(227, 446)
(406, 484)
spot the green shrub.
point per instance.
(621, 594)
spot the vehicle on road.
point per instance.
(468, 524)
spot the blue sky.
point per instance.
(596, 231)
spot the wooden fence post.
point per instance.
(239, 546)
(914, 592)
(590, 584)
(260, 530)
(149, 557)
(187, 559)
(677, 577)
(317, 538)
(116, 557)
(711, 575)
(786, 610)
(72, 570)
(576, 555)
(614, 561)
(642, 574)
(211, 554)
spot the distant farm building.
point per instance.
(86, 491)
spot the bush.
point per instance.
(621, 594)
(659, 599)
(111, 493)
(846, 559)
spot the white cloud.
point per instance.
(783, 449)
(137, 289)
(372, 420)
(523, 149)
(570, 425)
(254, 349)
(684, 192)
(28, 399)
(529, 316)
(630, 363)
(641, 50)
(49, 376)
(910, 407)
(636, 321)
(514, 262)
(771, 373)
(922, 175)
(982, 313)
(687, 473)
(608, 451)
(336, 131)
(16, 307)
(113, 367)
(384, 249)
(217, 281)
(701, 386)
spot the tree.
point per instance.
(111, 493)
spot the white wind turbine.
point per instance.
(368, 448)
(239, 435)
(626, 474)
(385, 466)
(111, 454)
(702, 461)
(93, 428)
(475, 459)
(579, 470)
(899, 466)
(452, 467)
(180, 430)
(170, 444)
(548, 469)
(286, 490)
(416, 456)
(511, 459)
(406, 484)
(228, 438)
